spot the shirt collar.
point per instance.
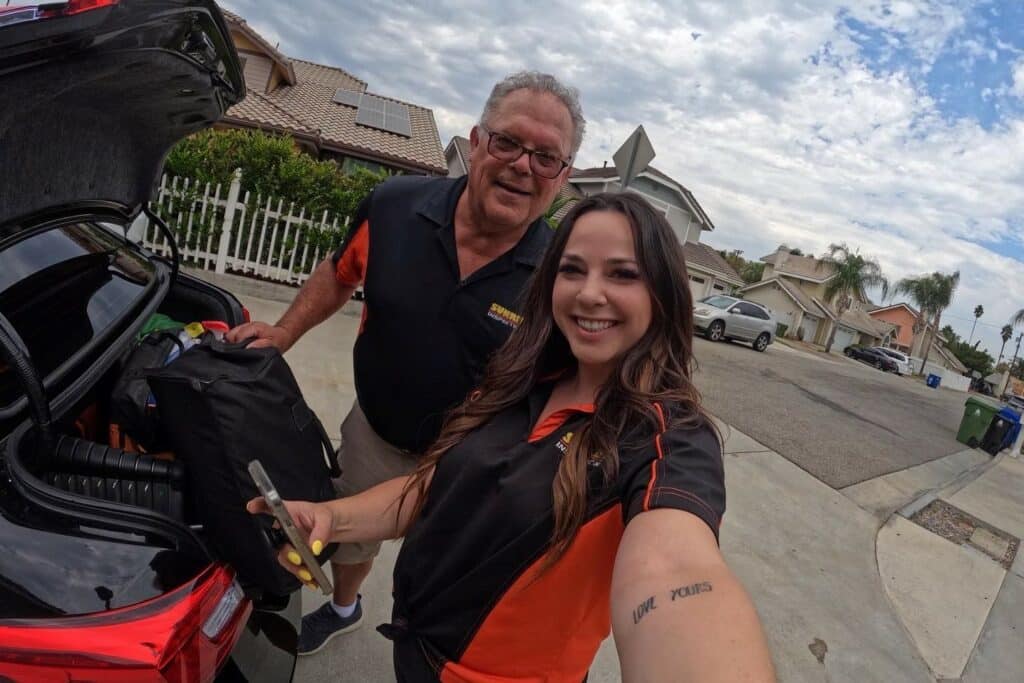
(440, 210)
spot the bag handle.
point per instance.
(332, 461)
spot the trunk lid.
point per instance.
(96, 92)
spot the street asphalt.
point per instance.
(841, 421)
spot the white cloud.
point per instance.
(772, 117)
(1018, 79)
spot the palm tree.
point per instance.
(1018, 318)
(979, 311)
(1007, 334)
(932, 293)
(851, 275)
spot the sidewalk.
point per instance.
(806, 553)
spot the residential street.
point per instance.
(840, 420)
(809, 555)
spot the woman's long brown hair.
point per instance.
(656, 370)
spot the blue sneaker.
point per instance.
(323, 624)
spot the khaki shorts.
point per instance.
(365, 460)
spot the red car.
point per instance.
(105, 574)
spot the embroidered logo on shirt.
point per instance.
(563, 443)
(503, 315)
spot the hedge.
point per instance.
(271, 165)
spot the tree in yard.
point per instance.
(851, 275)
(951, 336)
(1006, 334)
(979, 311)
(932, 293)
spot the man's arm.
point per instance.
(678, 613)
(320, 297)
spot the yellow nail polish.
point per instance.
(318, 547)
(312, 586)
(305, 575)
(294, 558)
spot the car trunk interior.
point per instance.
(86, 460)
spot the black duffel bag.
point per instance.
(221, 406)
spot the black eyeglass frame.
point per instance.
(522, 149)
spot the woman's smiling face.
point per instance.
(600, 301)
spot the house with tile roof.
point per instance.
(709, 272)
(793, 287)
(330, 113)
(911, 332)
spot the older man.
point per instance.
(442, 262)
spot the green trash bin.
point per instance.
(978, 414)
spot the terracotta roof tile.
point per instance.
(305, 107)
(706, 258)
(327, 75)
(312, 102)
(259, 110)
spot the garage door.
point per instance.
(697, 286)
(810, 326)
(844, 337)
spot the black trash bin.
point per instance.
(996, 434)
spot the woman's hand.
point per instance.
(314, 521)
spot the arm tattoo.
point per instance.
(687, 591)
(647, 606)
(643, 609)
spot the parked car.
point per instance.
(872, 356)
(99, 579)
(903, 364)
(721, 317)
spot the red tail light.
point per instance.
(76, 7)
(16, 14)
(181, 637)
(246, 316)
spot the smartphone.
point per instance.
(280, 512)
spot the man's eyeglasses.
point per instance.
(505, 148)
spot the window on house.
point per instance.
(698, 280)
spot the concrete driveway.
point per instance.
(840, 420)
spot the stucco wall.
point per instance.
(785, 311)
(902, 317)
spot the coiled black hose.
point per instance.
(14, 352)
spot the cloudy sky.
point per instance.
(896, 126)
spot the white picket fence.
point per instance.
(239, 233)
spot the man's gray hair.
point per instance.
(539, 82)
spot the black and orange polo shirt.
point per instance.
(470, 603)
(426, 333)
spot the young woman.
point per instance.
(579, 488)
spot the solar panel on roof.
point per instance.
(376, 112)
(349, 98)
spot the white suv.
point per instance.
(726, 317)
(903, 364)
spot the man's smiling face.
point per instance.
(505, 194)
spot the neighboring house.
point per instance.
(709, 272)
(793, 287)
(328, 112)
(904, 318)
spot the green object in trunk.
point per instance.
(978, 414)
(157, 323)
